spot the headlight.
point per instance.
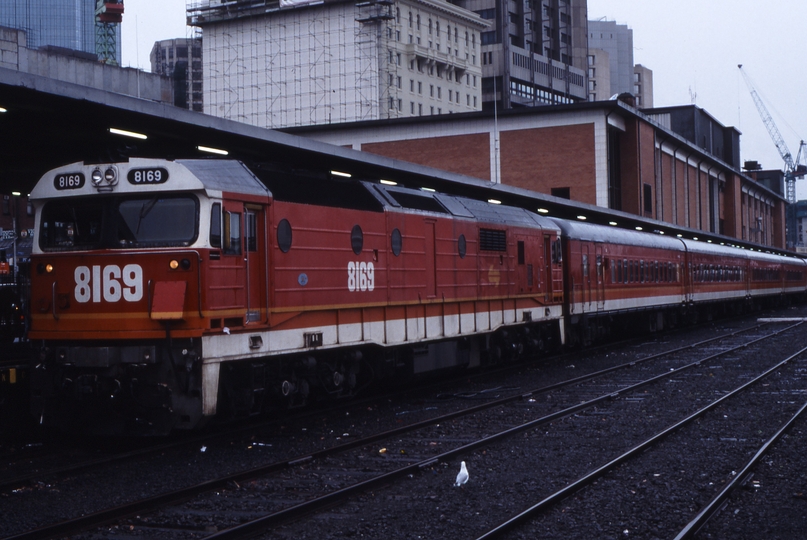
(97, 177)
(111, 176)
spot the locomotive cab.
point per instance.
(132, 263)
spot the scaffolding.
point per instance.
(281, 63)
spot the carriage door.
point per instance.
(255, 262)
(599, 262)
(431, 258)
(586, 275)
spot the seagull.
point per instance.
(462, 476)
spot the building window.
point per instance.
(561, 192)
(431, 90)
(488, 38)
(420, 109)
(420, 87)
(647, 197)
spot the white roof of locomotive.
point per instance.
(210, 175)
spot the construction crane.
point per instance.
(108, 15)
(793, 169)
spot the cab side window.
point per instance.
(232, 233)
(215, 225)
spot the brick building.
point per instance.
(677, 165)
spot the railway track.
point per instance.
(400, 464)
(31, 460)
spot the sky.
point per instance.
(692, 46)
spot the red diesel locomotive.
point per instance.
(167, 292)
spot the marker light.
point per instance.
(174, 264)
(388, 182)
(342, 174)
(126, 133)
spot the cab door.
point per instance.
(526, 258)
(255, 263)
(238, 272)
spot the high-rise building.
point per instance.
(643, 86)
(611, 68)
(534, 52)
(294, 63)
(181, 59)
(70, 24)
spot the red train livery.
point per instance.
(167, 292)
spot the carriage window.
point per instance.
(118, 222)
(396, 242)
(215, 225)
(625, 270)
(284, 235)
(461, 246)
(356, 239)
(232, 233)
(585, 266)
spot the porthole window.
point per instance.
(356, 239)
(461, 246)
(284, 235)
(397, 242)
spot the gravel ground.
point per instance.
(504, 479)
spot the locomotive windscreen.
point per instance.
(118, 222)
